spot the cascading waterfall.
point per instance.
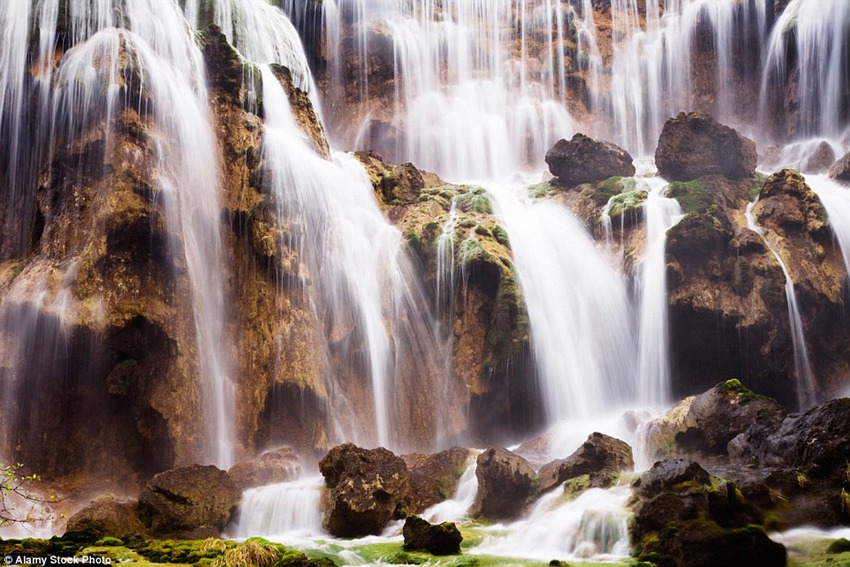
(821, 54)
(161, 50)
(802, 368)
(577, 304)
(287, 509)
(363, 284)
(661, 213)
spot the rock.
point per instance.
(840, 170)
(706, 544)
(694, 145)
(585, 160)
(108, 516)
(820, 159)
(599, 455)
(188, 502)
(665, 475)
(366, 489)
(279, 465)
(506, 484)
(684, 517)
(841, 545)
(439, 539)
(434, 478)
(709, 421)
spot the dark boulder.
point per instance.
(717, 416)
(666, 475)
(367, 488)
(585, 160)
(840, 170)
(684, 517)
(437, 539)
(506, 484)
(434, 478)
(108, 516)
(188, 503)
(694, 145)
(279, 465)
(600, 456)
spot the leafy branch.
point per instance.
(18, 503)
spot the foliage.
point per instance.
(18, 503)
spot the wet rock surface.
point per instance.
(279, 465)
(506, 484)
(600, 457)
(694, 145)
(366, 489)
(840, 170)
(434, 478)
(192, 502)
(107, 516)
(585, 160)
(437, 539)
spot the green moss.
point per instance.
(501, 235)
(573, 487)
(110, 541)
(540, 190)
(734, 387)
(624, 202)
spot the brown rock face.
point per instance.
(506, 484)
(440, 539)
(366, 489)
(188, 503)
(434, 478)
(585, 160)
(694, 145)
(840, 170)
(271, 467)
(107, 515)
(598, 455)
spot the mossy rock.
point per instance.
(734, 387)
(629, 201)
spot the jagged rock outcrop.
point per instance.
(694, 145)
(724, 282)
(840, 170)
(436, 539)
(107, 516)
(601, 457)
(434, 478)
(708, 421)
(366, 489)
(585, 160)
(684, 517)
(193, 502)
(469, 273)
(506, 484)
(279, 465)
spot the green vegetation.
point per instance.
(622, 203)
(734, 387)
(18, 503)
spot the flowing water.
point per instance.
(473, 89)
(802, 368)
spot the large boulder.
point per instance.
(437, 539)
(600, 457)
(279, 465)
(585, 160)
(188, 503)
(107, 516)
(840, 170)
(366, 489)
(684, 517)
(709, 421)
(694, 145)
(506, 484)
(434, 478)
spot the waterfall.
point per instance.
(578, 307)
(592, 526)
(820, 47)
(802, 369)
(661, 213)
(456, 508)
(158, 46)
(284, 509)
(376, 319)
